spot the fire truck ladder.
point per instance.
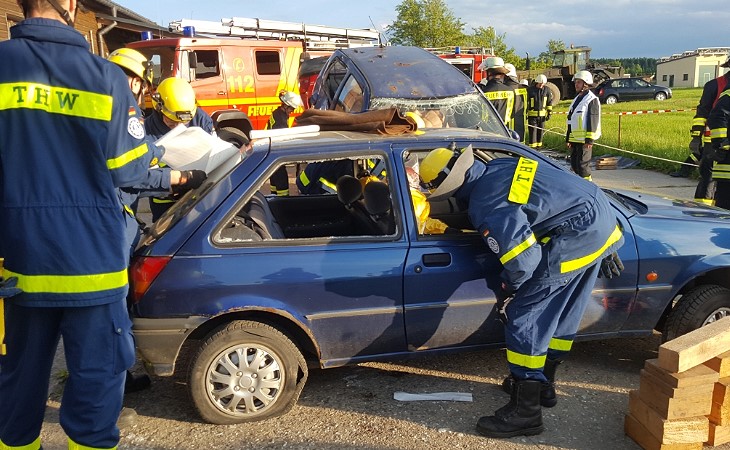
(315, 37)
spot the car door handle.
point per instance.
(436, 259)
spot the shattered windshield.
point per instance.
(471, 110)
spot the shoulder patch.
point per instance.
(135, 128)
(493, 245)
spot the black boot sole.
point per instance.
(508, 434)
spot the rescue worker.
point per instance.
(495, 89)
(719, 151)
(701, 138)
(71, 135)
(540, 106)
(552, 234)
(321, 177)
(158, 180)
(280, 119)
(584, 124)
(519, 112)
(174, 104)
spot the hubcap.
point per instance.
(244, 380)
(716, 315)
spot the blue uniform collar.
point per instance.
(48, 30)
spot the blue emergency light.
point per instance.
(189, 31)
(146, 35)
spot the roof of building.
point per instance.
(703, 51)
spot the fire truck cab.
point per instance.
(237, 78)
(466, 59)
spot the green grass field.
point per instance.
(650, 138)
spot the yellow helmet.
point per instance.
(443, 171)
(134, 62)
(175, 98)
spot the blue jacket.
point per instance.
(71, 135)
(542, 222)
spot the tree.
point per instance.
(426, 23)
(493, 42)
(545, 59)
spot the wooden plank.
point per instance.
(697, 375)
(673, 408)
(676, 431)
(697, 392)
(719, 434)
(720, 364)
(647, 441)
(695, 347)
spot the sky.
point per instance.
(612, 28)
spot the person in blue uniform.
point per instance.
(280, 119)
(71, 135)
(551, 232)
(174, 104)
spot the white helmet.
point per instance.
(511, 70)
(524, 82)
(584, 75)
(541, 79)
(494, 63)
(290, 99)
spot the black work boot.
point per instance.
(522, 416)
(683, 171)
(548, 398)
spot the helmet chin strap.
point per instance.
(64, 13)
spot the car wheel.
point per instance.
(661, 96)
(246, 371)
(697, 308)
(611, 100)
(233, 136)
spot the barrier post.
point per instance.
(619, 131)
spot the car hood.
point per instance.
(653, 206)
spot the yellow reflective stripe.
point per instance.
(499, 95)
(328, 185)
(162, 200)
(590, 135)
(35, 445)
(519, 191)
(524, 245)
(563, 345)
(304, 179)
(575, 264)
(56, 100)
(706, 201)
(69, 284)
(127, 157)
(718, 133)
(74, 446)
(529, 361)
(699, 122)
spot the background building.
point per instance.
(692, 68)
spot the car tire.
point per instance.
(227, 389)
(611, 100)
(660, 96)
(698, 307)
(233, 136)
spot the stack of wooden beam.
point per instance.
(683, 400)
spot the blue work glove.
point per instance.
(611, 266)
(7, 287)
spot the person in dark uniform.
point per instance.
(71, 135)
(553, 234)
(540, 106)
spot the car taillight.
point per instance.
(142, 273)
(600, 92)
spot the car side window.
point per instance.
(206, 64)
(333, 199)
(351, 96)
(333, 78)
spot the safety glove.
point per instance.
(8, 287)
(189, 179)
(504, 296)
(611, 266)
(695, 147)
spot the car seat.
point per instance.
(378, 204)
(258, 210)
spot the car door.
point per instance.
(643, 90)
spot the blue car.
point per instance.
(252, 290)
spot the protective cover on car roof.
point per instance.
(420, 73)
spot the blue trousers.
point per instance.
(544, 317)
(99, 349)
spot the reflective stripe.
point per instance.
(127, 157)
(56, 100)
(162, 200)
(721, 171)
(304, 179)
(69, 284)
(718, 133)
(519, 191)
(3, 348)
(510, 255)
(328, 186)
(74, 446)
(575, 264)
(699, 122)
(563, 345)
(706, 201)
(35, 445)
(529, 361)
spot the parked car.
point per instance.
(624, 89)
(409, 78)
(258, 288)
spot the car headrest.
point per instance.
(349, 189)
(377, 198)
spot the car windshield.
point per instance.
(471, 111)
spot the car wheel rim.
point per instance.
(716, 315)
(244, 380)
(610, 100)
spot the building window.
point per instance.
(664, 78)
(685, 77)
